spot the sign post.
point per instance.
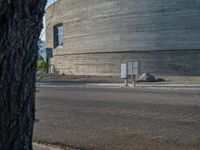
(124, 73)
(49, 54)
(134, 70)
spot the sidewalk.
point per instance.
(116, 82)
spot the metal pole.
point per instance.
(50, 73)
(126, 82)
(47, 60)
(133, 80)
(134, 85)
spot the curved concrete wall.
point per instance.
(132, 29)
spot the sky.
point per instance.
(42, 36)
(50, 1)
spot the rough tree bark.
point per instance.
(20, 26)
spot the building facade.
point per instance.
(93, 37)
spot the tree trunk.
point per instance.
(20, 27)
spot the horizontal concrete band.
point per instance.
(135, 51)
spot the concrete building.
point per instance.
(93, 37)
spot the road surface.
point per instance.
(118, 119)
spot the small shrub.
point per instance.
(41, 65)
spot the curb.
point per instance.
(107, 85)
(172, 86)
(37, 146)
(82, 85)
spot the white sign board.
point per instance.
(133, 68)
(124, 71)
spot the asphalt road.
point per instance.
(119, 119)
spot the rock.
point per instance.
(147, 77)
